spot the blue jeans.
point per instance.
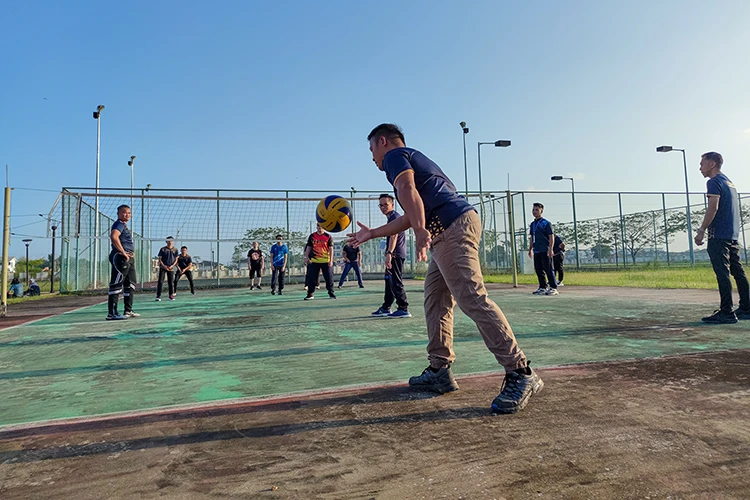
(348, 266)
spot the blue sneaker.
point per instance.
(382, 312)
(400, 313)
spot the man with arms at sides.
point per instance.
(542, 250)
(122, 260)
(395, 255)
(319, 258)
(279, 256)
(184, 267)
(352, 260)
(722, 221)
(443, 221)
(167, 263)
(255, 264)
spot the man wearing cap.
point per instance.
(167, 262)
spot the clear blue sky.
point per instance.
(250, 94)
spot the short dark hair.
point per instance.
(387, 130)
(121, 207)
(714, 157)
(183, 248)
(279, 236)
(386, 195)
(537, 204)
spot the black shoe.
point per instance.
(720, 317)
(517, 390)
(309, 297)
(441, 381)
(280, 293)
(331, 295)
(361, 286)
(742, 313)
(273, 292)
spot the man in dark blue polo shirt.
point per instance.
(444, 222)
(542, 251)
(122, 260)
(722, 220)
(167, 262)
(395, 255)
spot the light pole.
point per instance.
(497, 144)
(575, 221)
(27, 241)
(52, 262)
(351, 198)
(131, 164)
(466, 167)
(97, 117)
(667, 149)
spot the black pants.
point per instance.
(277, 274)
(725, 259)
(544, 271)
(188, 275)
(557, 261)
(170, 282)
(122, 281)
(313, 269)
(394, 285)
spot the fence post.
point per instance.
(742, 226)
(599, 243)
(218, 237)
(666, 228)
(622, 229)
(512, 240)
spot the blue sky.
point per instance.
(281, 95)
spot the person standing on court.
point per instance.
(352, 260)
(255, 265)
(167, 263)
(395, 255)
(558, 250)
(319, 258)
(722, 222)
(184, 268)
(444, 222)
(279, 256)
(122, 260)
(542, 251)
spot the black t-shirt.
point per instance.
(184, 262)
(168, 255)
(558, 246)
(351, 253)
(255, 256)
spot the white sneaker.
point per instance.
(552, 291)
(158, 299)
(132, 314)
(539, 291)
(560, 284)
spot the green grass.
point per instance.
(682, 277)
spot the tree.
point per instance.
(266, 236)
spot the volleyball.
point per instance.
(334, 213)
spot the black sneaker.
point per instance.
(441, 381)
(720, 317)
(309, 297)
(280, 293)
(516, 392)
(742, 313)
(331, 295)
(273, 292)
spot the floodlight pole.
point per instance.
(497, 144)
(131, 164)
(466, 167)
(575, 221)
(27, 242)
(52, 262)
(667, 149)
(97, 117)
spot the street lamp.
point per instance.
(667, 149)
(497, 144)
(131, 164)
(466, 168)
(97, 116)
(27, 241)
(575, 222)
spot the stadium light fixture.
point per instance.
(667, 149)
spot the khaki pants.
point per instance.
(455, 273)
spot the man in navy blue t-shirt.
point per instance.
(542, 251)
(444, 222)
(395, 255)
(722, 221)
(122, 260)
(167, 262)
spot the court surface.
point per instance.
(292, 399)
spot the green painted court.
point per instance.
(226, 344)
